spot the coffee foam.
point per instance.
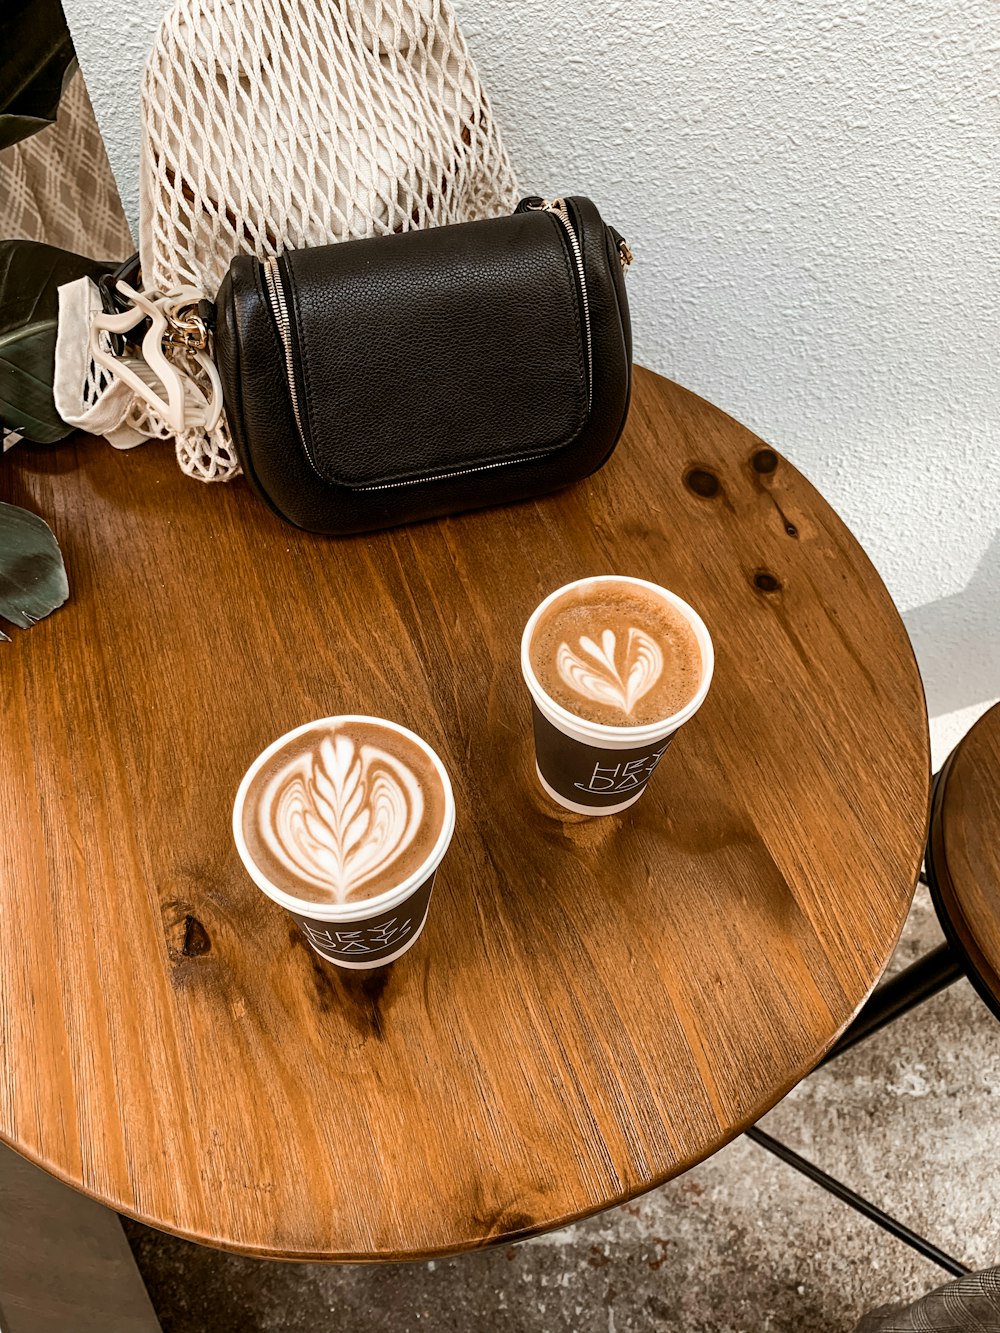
(616, 653)
(343, 812)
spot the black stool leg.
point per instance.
(900, 994)
(857, 1201)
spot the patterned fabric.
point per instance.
(57, 186)
(969, 1305)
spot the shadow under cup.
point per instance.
(371, 932)
(591, 768)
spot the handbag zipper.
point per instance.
(279, 308)
(559, 208)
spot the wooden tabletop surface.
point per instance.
(595, 1004)
(965, 849)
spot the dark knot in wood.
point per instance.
(186, 936)
(195, 941)
(702, 483)
(764, 461)
(765, 581)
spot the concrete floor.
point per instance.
(742, 1244)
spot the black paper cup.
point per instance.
(373, 931)
(591, 768)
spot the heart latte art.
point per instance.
(616, 652)
(344, 814)
(594, 673)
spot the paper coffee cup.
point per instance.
(370, 932)
(589, 767)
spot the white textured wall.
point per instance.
(811, 190)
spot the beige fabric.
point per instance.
(86, 395)
(971, 1304)
(57, 186)
(278, 124)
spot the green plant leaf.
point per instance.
(36, 63)
(30, 275)
(32, 574)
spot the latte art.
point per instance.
(616, 652)
(598, 676)
(348, 809)
(338, 818)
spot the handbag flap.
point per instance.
(430, 353)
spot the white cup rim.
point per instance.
(601, 732)
(365, 907)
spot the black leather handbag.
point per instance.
(382, 381)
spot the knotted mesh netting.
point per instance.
(277, 124)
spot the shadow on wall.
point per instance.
(957, 640)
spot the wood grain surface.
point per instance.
(965, 853)
(595, 1004)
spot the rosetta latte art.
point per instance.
(339, 816)
(595, 673)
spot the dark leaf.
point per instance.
(36, 62)
(30, 274)
(32, 574)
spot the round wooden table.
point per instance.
(595, 1005)
(963, 855)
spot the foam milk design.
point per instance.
(598, 677)
(339, 817)
(615, 652)
(343, 809)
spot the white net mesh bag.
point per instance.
(277, 124)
